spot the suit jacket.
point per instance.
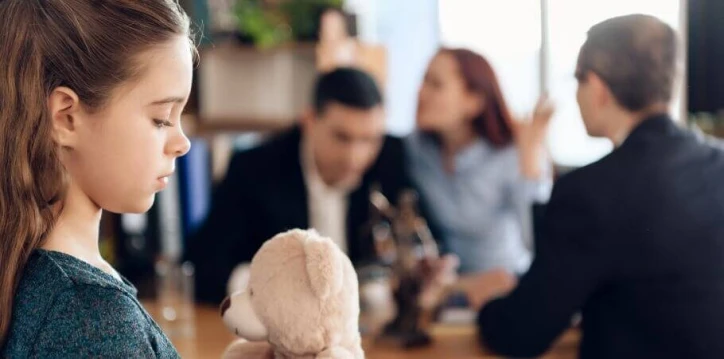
(635, 243)
(264, 193)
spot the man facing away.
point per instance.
(635, 241)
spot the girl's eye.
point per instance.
(162, 123)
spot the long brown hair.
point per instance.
(90, 47)
(494, 122)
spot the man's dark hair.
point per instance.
(635, 55)
(346, 86)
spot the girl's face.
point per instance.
(121, 155)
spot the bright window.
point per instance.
(508, 33)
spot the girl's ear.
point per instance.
(63, 108)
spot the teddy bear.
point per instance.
(301, 301)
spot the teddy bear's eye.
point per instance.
(251, 292)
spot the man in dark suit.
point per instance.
(635, 241)
(318, 175)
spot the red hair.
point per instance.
(494, 122)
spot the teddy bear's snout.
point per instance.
(225, 305)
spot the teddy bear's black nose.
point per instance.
(225, 305)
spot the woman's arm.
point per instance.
(533, 181)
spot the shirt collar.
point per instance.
(469, 157)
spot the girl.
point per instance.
(479, 169)
(91, 94)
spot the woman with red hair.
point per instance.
(479, 169)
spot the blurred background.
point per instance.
(259, 58)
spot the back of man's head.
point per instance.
(636, 56)
(346, 86)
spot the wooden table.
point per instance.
(211, 338)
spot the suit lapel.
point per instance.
(290, 192)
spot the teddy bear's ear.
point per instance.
(324, 265)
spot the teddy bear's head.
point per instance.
(302, 297)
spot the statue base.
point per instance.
(405, 340)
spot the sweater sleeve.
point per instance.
(92, 321)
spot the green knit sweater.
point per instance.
(66, 308)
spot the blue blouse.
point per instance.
(484, 207)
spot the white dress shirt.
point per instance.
(327, 210)
(327, 205)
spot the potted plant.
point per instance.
(269, 23)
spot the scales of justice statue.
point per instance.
(404, 245)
